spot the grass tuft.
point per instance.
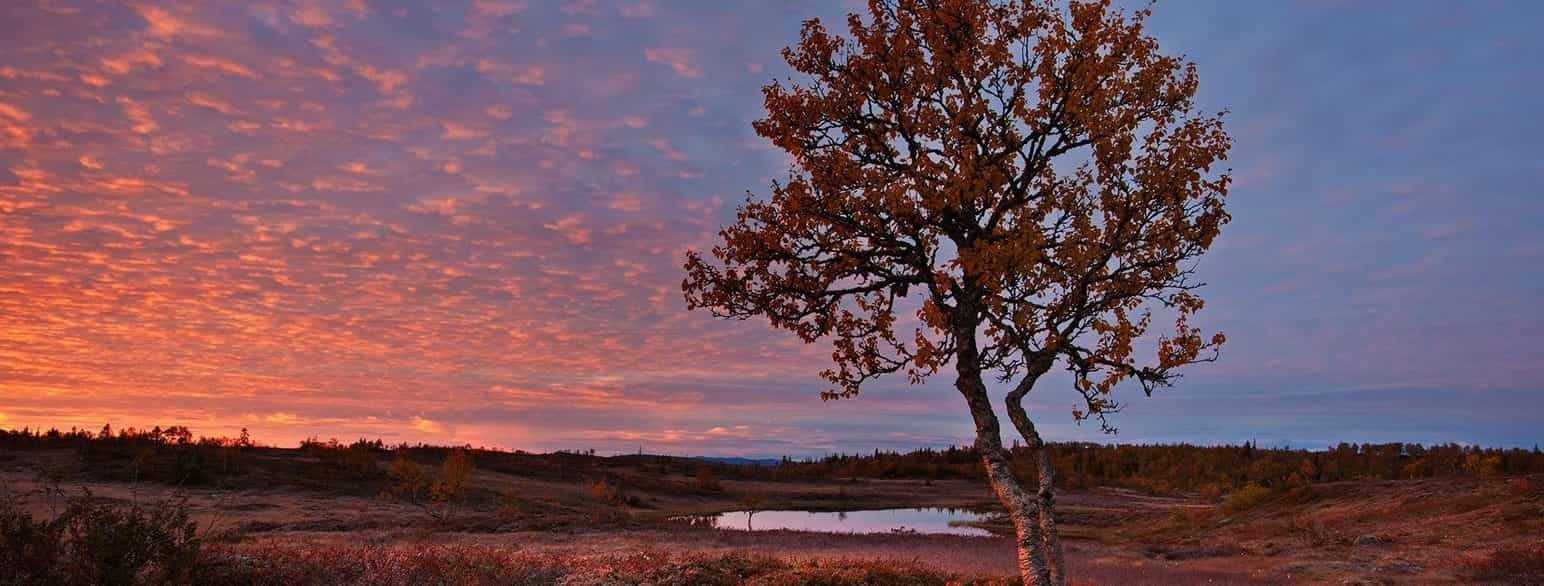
(1523, 566)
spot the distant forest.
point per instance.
(173, 454)
(1183, 467)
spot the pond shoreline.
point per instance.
(891, 520)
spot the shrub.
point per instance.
(1311, 532)
(408, 475)
(436, 495)
(1243, 499)
(453, 476)
(1210, 492)
(446, 489)
(726, 570)
(1188, 518)
(511, 507)
(1521, 565)
(604, 491)
(29, 549)
(356, 461)
(475, 564)
(375, 565)
(90, 542)
(1520, 486)
(706, 480)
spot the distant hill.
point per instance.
(738, 461)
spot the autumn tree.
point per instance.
(435, 495)
(752, 501)
(1001, 186)
(409, 477)
(451, 483)
(706, 480)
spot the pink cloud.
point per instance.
(680, 60)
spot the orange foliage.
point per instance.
(925, 145)
(1036, 173)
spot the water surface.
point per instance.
(931, 520)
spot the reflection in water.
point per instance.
(709, 521)
(949, 521)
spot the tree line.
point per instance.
(1166, 468)
(174, 454)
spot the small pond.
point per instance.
(948, 521)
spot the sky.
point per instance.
(460, 222)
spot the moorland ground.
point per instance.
(591, 517)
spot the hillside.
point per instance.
(580, 512)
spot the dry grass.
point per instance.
(1523, 566)
(546, 529)
(472, 564)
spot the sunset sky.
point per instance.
(451, 222)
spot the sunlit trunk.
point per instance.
(1022, 507)
(1025, 513)
(1045, 493)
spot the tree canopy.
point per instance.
(1042, 178)
(1039, 175)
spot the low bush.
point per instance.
(1189, 519)
(472, 565)
(437, 495)
(1311, 532)
(1210, 492)
(90, 542)
(706, 481)
(1519, 565)
(612, 493)
(1246, 498)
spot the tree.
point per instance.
(752, 500)
(706, 480)
(437, 495)
(408, 475)
(454, 473)
(1029, 181)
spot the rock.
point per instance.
(1368, 539)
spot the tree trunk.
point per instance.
(1026, 515)
(1046, 489)
(1055, 557)
(1046, 484)
(1022, 508)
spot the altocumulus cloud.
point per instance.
(464, 221)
